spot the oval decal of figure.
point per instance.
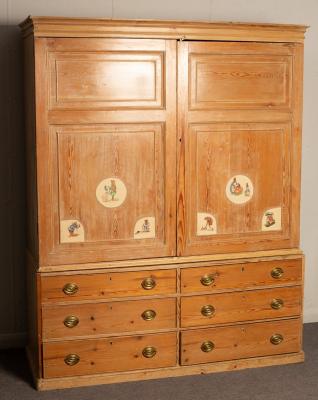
(239, 189)
(111, 192)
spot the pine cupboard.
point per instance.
(163, 193)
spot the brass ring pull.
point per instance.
(277, 304)
(70, 288)
(276, 339)
(277, 273)
(207, 346)
(148, 283)
(72, 359)
(207, 310)
(149, 352)
(70, 321)
(207, 280)
(149, 315)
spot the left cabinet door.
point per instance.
(106, 133)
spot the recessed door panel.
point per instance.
(105, 79)
(239, 80)
(110, 178)
(237, 174)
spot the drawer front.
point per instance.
(84, 357)
(107, 285)
(107, 318)
(241, 341)
(240, 306)
(241, 276)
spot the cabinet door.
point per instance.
(106, 142)
(239, 147)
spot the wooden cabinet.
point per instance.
(163, 195)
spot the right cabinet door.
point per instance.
(239, 146)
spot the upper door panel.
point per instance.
(238, 153)
(106, 149)
(239, 80)
(107, 78)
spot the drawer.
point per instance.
(241, 276)
(240, 341)
(240, 306)
(107, 285)
(84, 357)
(106, 318)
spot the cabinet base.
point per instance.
(90, 380)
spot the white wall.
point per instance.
(281, 11)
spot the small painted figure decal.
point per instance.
(236, 188)
(71, 230)
(145, 228)
(272, 219)
(206, 224)
(111, 192)
(239, 189)
(269, 219)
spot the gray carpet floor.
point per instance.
(288, 382)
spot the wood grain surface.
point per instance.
(109, 355)
(233, 342)
(241, 306)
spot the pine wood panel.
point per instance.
(234, 342)
(142, 154)
(239, 81)
(29, 106)
(241, 306)
(109, 355)
(107, 285)
(107, 318)
(259, 151)
(133, 153)
(104, 79)
(241, 276)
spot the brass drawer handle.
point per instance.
(70, 288)
(72, 359)
(276, 339)
(148, 283)
(207, 280)
(71, 321)
(149, 352)
(149, 315)
(277, 304)
(277, 273)
(207, 346)
(208, 310)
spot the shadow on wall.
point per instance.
(12, 190)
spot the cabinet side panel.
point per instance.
(296, 142)
(30, 142)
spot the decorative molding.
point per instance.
(196, 30)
